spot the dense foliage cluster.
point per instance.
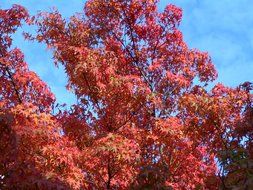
(143, 119)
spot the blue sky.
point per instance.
(224, 28)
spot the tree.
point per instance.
(129, 67)
(223, 121)
(237, 158)
(141, 122)
(33, 153)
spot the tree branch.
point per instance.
(12, 82)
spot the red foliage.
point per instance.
(140, 121)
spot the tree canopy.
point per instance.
(144, 118)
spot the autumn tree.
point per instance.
(33, 153)
(141, 120)
(130, 68)
(223, 121)
(237, 156)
